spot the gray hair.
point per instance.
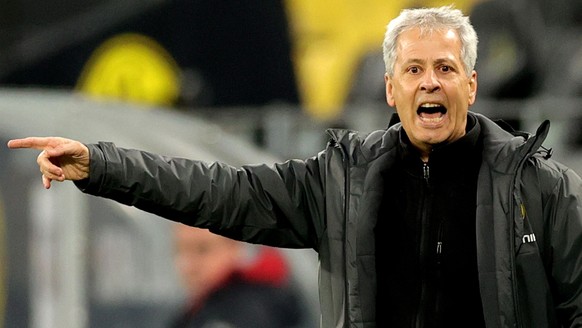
(428, 20)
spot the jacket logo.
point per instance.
(529, 238)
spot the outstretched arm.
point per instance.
(60, 159)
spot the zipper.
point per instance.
(346, 168)
(334, 144)
(516, 206)
(424, 236)
(438, 292)
(515, 294)
(425, 171)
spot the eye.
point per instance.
(414, 70)
(446, 69)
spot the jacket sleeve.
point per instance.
(278, 205)
(563, 205)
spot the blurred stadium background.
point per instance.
(238, 81)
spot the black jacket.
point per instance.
(529, 217)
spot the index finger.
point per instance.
(29, 142)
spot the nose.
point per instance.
(430, 82)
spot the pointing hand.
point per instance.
(60, 159)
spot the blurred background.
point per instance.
(236, 81)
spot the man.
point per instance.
(443, 220)
(228, 287)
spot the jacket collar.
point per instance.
(505, 150)
(467, 143)
(502, 149)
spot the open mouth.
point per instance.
(431, 112)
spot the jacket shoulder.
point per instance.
(365, 145)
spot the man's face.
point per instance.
(430, 88)
(204, 259)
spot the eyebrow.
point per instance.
(422, 61)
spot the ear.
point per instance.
(472, 88)
(389, 91)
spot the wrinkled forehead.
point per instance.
(424, 32)
(430, 38)
(437, 46)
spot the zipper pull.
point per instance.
(439, 248)
(439, 251)
(425, 171)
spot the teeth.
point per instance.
(431, 120)
(429, 105)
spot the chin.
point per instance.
(434, 140)
(428, 134)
